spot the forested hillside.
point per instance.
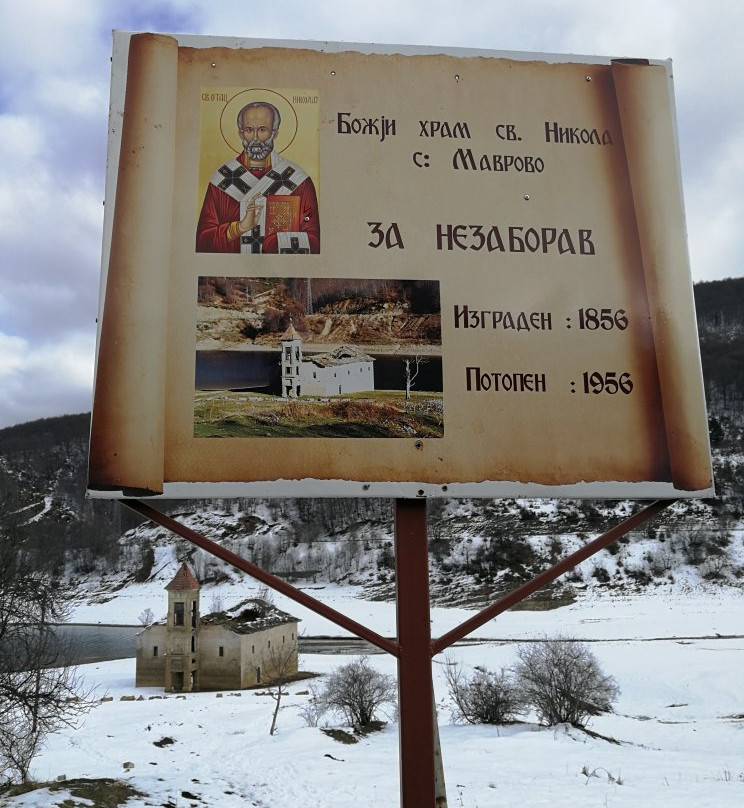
(720, 308)
(478, 548)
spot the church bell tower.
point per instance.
(182, 654)
(291, 362)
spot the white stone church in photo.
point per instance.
(344, 370)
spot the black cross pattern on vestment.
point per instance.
(280, 180)
(254, 239)
(232, 176)
(294, 247)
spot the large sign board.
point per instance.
(367, 271)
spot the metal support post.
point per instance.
(415, 688)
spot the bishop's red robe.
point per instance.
(219, 210)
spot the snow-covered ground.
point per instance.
(671, 611)
(680, 719)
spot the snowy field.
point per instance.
(663, 612)
(679, 720)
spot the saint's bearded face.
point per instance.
(257, 132)
(257, 149)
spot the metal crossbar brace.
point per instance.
(262, 575)
(564, 565)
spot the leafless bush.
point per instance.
(700, 542)
(484, 698)
(316, 707)
(296, 410)
(358, 691)
(146, 617)
(265, 593)
(563, 681)
(216, 603)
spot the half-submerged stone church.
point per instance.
(237, 648)
(344, 370)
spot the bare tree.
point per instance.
(413, 366)
(146, 617)
(358, 691)
(563, 681)
(39, 691)
(281, 664)
(216, 603)
(485, 697)
(266, 594)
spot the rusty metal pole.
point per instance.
(416, 723)
(440, 787)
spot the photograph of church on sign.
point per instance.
(244, 646)
(318, 357)
(344, 370)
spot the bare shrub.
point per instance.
(296, 410)
(146, 617)
(485, 697)
(363, 411)
(316, 707)
(216, 603)
(700, 542)
(265, 593)
(563, 681)
(358, 691)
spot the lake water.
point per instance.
(82, 643)
(79, 643)
(260, 370)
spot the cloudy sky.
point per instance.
(54, 90)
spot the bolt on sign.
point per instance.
(336, 270)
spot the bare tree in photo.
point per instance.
(413, 367)
(146, 617)
(266, 594)
(216, 603)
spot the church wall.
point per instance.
(215, 671)
(257, 648)
(353, 377)
(310, 386)
(151, 667)
(238, 667)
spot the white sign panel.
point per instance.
(335, 270)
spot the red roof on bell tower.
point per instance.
(184, 579)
